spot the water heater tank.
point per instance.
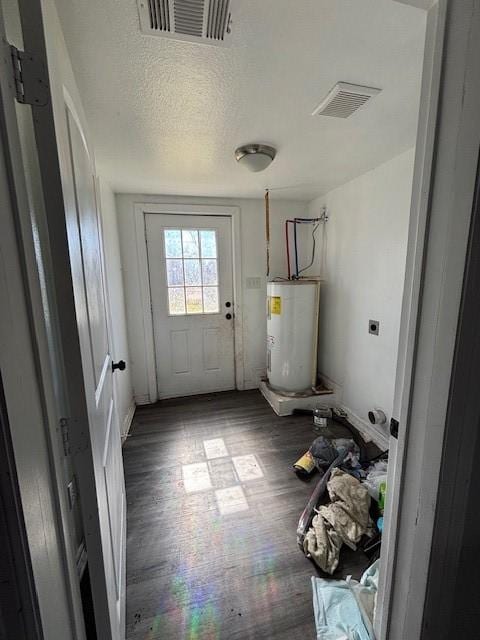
(292, 326)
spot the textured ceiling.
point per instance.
(166, 116)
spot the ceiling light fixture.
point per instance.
(255, 157)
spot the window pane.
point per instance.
(174, 273)
(209, 244)
(209, 271)
(173, 243)
(210, 300)
(192, 272)
(176, 301)
(190, 243)
(194, 299)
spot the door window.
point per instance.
(192, 271)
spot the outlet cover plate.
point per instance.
(374, 327)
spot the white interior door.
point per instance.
(190, 271)
(107, 564)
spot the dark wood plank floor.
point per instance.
(194, 574)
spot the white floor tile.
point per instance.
(196, 477)
(247, 468)
(215, 448)
(231, 500)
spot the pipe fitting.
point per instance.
(377, 416)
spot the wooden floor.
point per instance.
(193, 573)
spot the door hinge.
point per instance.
(30, 78)
(65, 436)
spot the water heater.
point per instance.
(292, 329)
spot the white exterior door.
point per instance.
(106, 557)
(190, 271)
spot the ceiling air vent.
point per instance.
(203, 21)
(344, 99)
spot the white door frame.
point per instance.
(429, 316)
(32, 413)
(417, 234)
(140, 211)
(443, 192)
(31, 353)
(51, 309)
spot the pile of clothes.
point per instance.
(344, 609)
(324, 451)
(343, 521)
(350, 485)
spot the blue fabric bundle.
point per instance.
(337, 614)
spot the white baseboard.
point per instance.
(253, 378)
(368, 431)
(127, 421)
(143, 399)
(337, 389)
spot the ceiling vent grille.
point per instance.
(344, 99)
(204, 21)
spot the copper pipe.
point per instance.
(267, 228)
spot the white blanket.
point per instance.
(345, 520)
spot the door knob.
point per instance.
(228, 316)
(121, 365)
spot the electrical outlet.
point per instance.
(374, 327)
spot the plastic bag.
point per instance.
(375, 477)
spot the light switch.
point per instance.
(254, 283)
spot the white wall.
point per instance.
(253, 262)
(122, 380)
(365, 269)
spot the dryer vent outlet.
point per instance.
(374, 327)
